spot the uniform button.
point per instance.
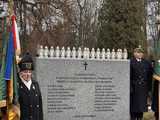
(31, 117)
(30, 105)
(36, 95)
(37, 106)
(33, 87)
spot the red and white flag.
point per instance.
(16, 41)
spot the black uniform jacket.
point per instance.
(140, 83)
(30, 102)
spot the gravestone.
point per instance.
(84, 89)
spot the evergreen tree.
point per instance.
(122, 24)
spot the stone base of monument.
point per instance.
(84, 89)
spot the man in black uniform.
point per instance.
(29, 92)
(140, 83)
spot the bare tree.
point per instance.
(57, 22)
(85, 22)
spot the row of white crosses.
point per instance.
(86, 53)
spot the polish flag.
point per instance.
(16, 41)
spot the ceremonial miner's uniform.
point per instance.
(30, 99)
(140, 83)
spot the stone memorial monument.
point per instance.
(83, 88)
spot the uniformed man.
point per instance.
(140, 83)
(29, 92)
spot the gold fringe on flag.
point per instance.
(156, 77)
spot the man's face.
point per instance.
(138, 55)
(26, 75)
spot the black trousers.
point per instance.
(156, 114)
(136, 115)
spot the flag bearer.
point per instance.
(29, 92)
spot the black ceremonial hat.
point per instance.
(26, 62)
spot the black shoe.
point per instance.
(139, 118)
(133, 119)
